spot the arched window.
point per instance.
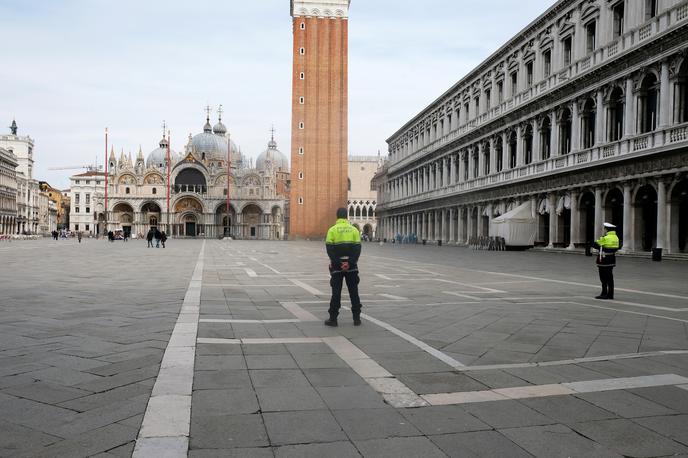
(681, 94)
(589, 119)
(545, 138)
(153, 221)
(365, 212)
(155, 191)
(565, 131)
(127, 191)
(351, 212)
(498, 147)
(358, 212)
(528, 144)
(615, 115)
(486, 159)
(513, 149)
(647, 101)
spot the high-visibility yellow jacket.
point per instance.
(608, 245)
(343, 244)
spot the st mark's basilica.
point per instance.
(258, 193)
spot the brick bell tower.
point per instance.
(319, 124)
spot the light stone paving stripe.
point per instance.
(167, 420)
(299, 312)
(265, 265)
(466, 296)
(418, 343)
(468, 285)
(392, 296)
(212, 340)
(656, 307)
(384, 277)
(559, 389)
(250, 272)
(214, 320)
(683, 387)
(629, 312)
(563, 362)
(550, 280)
(307, 287)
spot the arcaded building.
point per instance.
(319, 140)
(581, 118)
(362, 195)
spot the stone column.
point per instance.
(479, 231)
(493, 156)
(664, 98)
(661, 213)
(421, 233)
(554, 136)
(461, 229)
(452, 225)
(505, 151)
(535, 154)
(436, 228)
(627, 237)
(519, 146)
(575, 220)
(599, 118)
(551, 201)
(575, 127)
(481, 159)
(598, 213)
(629, 118)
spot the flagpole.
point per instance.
(106, 182)
(229, 162)
(169, 135)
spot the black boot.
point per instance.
(331, 322)
(357, 320)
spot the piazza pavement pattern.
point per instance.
(213, 348)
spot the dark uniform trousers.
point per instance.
(336, 281)
(607, 280)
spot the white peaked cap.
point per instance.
(609, 226)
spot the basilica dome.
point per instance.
(213, 146)
(157, 157)
(272, 154)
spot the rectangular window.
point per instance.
(477, 105)
(500, 92)
(301, 100)
(88, 198)
(466, 113)
(488, 102)
(650, 9)
(77, 181)
(88, 181)
(529, 73)
(302, 76)
(514, 83)
(301, 150)
(76, 209)
(618, 14)
(547, 63)
(566, 45)
(76, 227)
(590, 31)
(87, 227)
(88, 209)
(76, 198)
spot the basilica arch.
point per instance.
(189, 221)
(123, 214)
(225, 226)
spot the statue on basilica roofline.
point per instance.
(13, 127)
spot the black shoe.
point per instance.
(601, 297)
(357, 321)
(610, 298)
(331, 322)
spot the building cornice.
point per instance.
(320, 8)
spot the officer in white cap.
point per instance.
(607, 245)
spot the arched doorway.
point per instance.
(474, 222)
(678, 229)
(646, 217)
(563, 211)
(368, 231)
(252, 219)
(587, 216)
(613, 210)
(224, 222)
(189, 222)
(277, 222)
(123, 213)
(150, 216)
(543, 222)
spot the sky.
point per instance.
(70, 68)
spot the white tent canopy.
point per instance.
(517, 227)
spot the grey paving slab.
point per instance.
(46, 392)
(671, 397)
(568, 409)
(219, 362)
(626, 404)
(395, 447)
(224, 402)
(292, 398)
(628, 438)
(556, 441)
(228, 431)
(361, 424)
(441, 382)
(333, 449)
(478, 444)
(674, 427)
(257, 452)
(221, 379)
(436, 420)
(333, 377)
(507, 414)
(303, 427)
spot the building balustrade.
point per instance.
(582, 158)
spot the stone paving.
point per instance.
(217, 349)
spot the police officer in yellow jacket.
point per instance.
(343, 244)
(607, 245)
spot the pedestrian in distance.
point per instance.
(163, 238)
(78, 236)
(343, 245)
(149, 237)
(158, 236)
(125, 235)
(111, 236)
(607, 245)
